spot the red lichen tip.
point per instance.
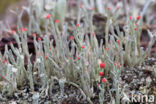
(2, 77)
(48, 16)
(138, 17)
(93, 34)
(118, 41)
(81, 5)
(34, 34)
(24, 29)
(130, 17)
(46, 57)
(57, 21)
(82, 46)
(104, 80)
(154, 25)
(10, 42)
(71, 38)
(135, 29)
(39, 38)
(115, 63)
(102, 65)
(101, 74)
(117, 7)
(107, 48)
(13, 32)
(91, 9)
(108, 8)
(4, 61)
(77, 25)
(119, 66)
(78, 58)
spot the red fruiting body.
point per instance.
(71, 37)
(90, 8)
(10, 42)
(102, 65)
(82, 46)
(135, 29)
(117, 7)
(154, 25)
(34, 34)
(108, 8)
(46, 57)
(13, 32)
(78, 58)
(115, 63)
(101, 74)
(93, 34)
(107, 48)
(2, 77)
(77, 25)
(118, 41)
(81, 5)
(119, 66)
(39, 38)
(24, 29)
(104, 80)
(130, 18)
(57, 21)
(4, 61)
(50, 48)
(48, 16)
(138, 17)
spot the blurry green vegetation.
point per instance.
(4, 4)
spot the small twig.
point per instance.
(77, 86)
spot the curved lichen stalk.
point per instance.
(60, 12)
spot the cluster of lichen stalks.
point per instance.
(81, 65)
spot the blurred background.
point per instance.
(128, 8)
(4, 4)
